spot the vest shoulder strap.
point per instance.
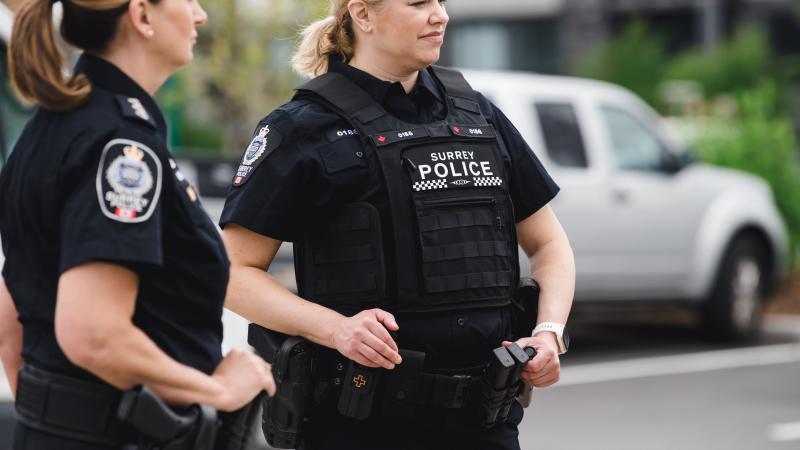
(344, 95)
(454, 83)
(459, 91)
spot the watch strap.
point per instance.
(555, 328)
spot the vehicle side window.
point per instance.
(635, 146)
(562, 134)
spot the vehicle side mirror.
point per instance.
(674, 163)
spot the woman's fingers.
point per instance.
(381, 333)
(269, 384)
(382, 348)
(374, 357)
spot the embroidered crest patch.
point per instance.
(128, 181)
(266, 140)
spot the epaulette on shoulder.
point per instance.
(132, 108)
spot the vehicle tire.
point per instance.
(735, 309)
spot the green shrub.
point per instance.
(636, 59)
(739, 63)
(762, 142)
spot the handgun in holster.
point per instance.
(159, 427)
(526, 310)
(294, 361)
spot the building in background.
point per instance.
(552, 36)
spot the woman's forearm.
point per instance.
(10, 337)
(106, 343)
(255, 295)
(128, 357)
(553, 267)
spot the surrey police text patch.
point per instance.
(453, 166)
(128, 181)
(266, 140)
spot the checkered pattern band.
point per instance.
(430, 185)
(488, 181)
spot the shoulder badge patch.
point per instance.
(262, 145)
(128, 181)
(133, 108)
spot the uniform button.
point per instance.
(337, 381)
(461, 321)
(360, 154)
(339, 367)
(401, 395)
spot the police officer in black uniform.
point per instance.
(405, 194)
(117, 275)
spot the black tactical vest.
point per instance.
(435, 229)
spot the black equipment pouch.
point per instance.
(402, 384)
(502, 385)
(68, 407)
(294, 362)
(358, 391)
(158, 426)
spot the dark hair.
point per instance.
(35, 61)
(90, 29)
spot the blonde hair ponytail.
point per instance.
(332, 35)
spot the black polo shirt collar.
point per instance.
(106, 75)
(418, 106)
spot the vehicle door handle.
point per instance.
(620, 195)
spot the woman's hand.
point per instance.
(545, 368)
(243, 376)
(364, 338)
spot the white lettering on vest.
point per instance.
(453, 169)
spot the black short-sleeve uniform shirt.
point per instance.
(308, 162)
(99, 184)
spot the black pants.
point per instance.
(26, 438)
(432, 431)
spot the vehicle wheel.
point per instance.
(736, 307)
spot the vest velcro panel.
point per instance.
(342, 260)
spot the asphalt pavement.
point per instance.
(685, 393)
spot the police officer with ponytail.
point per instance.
(114, 276)
(405, 194)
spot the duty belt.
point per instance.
(446, 391)
(69, 407)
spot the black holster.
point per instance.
(294, 362)
(159, 427)
(526, 307)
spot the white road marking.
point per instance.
(783, 432)
(679, 364)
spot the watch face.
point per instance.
(566, 338)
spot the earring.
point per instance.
(151, 33)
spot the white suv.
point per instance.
(645, 221)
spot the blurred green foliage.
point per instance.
(636, 59)
(739, 63)
(756, 136)
(241, 72)
(761, 141)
